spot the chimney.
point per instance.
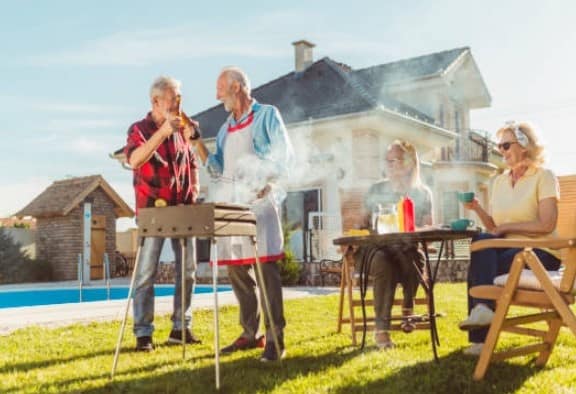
(303, 56)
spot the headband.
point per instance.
(520, 136)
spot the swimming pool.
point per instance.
(35, 297)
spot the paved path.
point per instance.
(64, 314)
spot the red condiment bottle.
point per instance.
(409, 213)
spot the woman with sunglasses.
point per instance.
(389, 266)
(523, 204)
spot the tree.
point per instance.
(16, 266)
(10, 255)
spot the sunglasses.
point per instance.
(505, 145)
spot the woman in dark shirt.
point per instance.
(391, 265)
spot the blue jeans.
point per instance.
(487, 264)
(144, 284)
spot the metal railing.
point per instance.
(471, 145)
(105, 275)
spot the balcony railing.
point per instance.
(472, 145)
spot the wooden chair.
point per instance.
(547, 295)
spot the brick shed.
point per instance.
(59, 212)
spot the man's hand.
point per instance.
(170, 125)
(264, 192)
(191, 129)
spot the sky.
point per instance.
(74, 75)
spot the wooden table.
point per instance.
(426, 275)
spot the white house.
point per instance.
(341, 120)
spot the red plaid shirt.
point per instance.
(168, 174)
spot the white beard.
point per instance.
(227, 106)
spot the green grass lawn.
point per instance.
(78, 358)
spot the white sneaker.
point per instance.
(480, 316)
(474, 349)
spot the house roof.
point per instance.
(328, 88)
(420, 67)
(63, 196)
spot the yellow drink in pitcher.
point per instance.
(388, 220)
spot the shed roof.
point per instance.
(63, 196)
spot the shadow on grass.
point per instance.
(27, 366)
(247, 375)
(451, 374)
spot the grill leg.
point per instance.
(183, 258)
(214, 261)
(267, 309)
(128, 300)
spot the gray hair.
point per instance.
(163, 83)
(236, 74)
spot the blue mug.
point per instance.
(466, 196)
(461, 224)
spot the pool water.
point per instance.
(17, 298)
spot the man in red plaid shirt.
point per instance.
(165, 173)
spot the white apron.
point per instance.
(237, 185)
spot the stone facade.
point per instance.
(165, 274)
(449, 271)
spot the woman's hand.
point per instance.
(499, 230)
(484, 217)
(474, 205)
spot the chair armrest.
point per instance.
(550, 243)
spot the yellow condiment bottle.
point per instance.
(400, 215)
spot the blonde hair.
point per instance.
(409, 155)
(534, 149)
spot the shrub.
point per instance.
(16, 267)
(289, 267)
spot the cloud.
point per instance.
(52, 106)
(16, 196)
(86, 145)
(39, 104)
(258, 36)
(151, 46)
(81, 124)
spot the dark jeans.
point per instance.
(389, 266)
(487, 264)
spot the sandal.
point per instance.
(407, 324)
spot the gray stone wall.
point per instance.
(165, 273)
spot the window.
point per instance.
(295, 212)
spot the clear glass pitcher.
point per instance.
(387, 220)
